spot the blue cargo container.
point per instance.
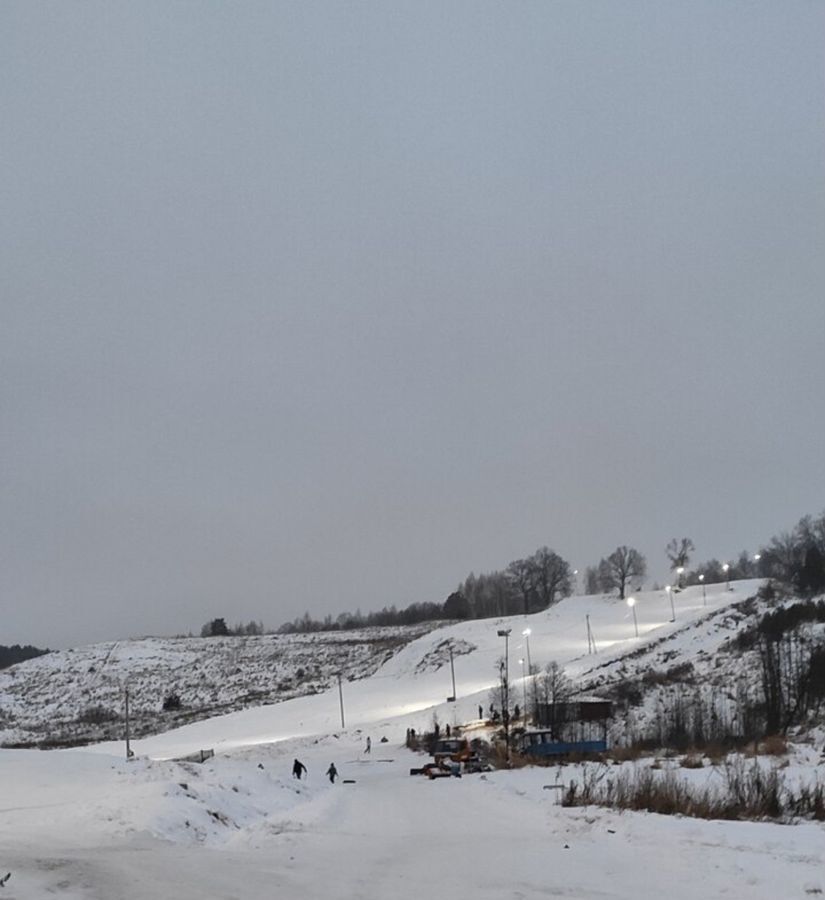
(541, 743)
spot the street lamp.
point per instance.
(726, 570)
(680, 571)
(341, 699)
(631, 602)
(524, 688)
(704, 590)
(129, 752)
(756, 558)
(669, 590)
(527, 632)
(505, 633)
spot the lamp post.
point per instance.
(669, 590)
(680, 571)
(726, 570)
(527, 632)
(505, 713)
(524, 688)
(129, 752)
(756, 558)
(341, 700)
(631, 602)
(704, 590)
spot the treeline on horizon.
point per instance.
(795, 558)
(15, 654)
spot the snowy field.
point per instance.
(82, 825)
(87, 824)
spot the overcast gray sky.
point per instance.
(318, 306)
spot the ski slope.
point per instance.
(412, 688)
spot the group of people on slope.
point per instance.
(299, 770)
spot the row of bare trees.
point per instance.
(795, 558)
(536, 582)
(627, 566)
(526, 585)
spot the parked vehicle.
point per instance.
(452, 749)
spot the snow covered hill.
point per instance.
(84, 824)
(77, 696)
(398, 675)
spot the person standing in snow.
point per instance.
(332, 772)
(297, 769)
(369, 745)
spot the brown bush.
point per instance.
(773, 745)
(627, 754)
(750, 792)
(716, 754)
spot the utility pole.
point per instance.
(505, 633)
(526, 634)
(341, 700)
(129, 751)
(452, 673)
(631, 602)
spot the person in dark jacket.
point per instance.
(332, 772)
(298, 768)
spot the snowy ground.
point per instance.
(83, 825)
(87, 824)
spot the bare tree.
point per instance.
(552, 576)
(553, 688)
(592, 584)
(523, 575)
(678, 552)
(798, 558)
(623, 564)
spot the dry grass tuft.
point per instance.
(774, 745)
(750, 791)
(627, 754)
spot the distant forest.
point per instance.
(795, 559)
(11, 655)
